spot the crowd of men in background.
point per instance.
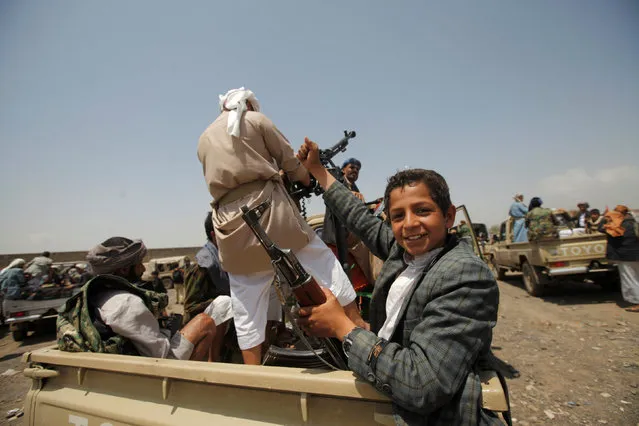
(40, 278)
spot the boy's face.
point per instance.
(419, 225)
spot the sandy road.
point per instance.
(573, 357)
(576, 352)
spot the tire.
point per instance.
(533, 280)
(498, 273)
(168, 283)
(610, 281)
(319, 230)
(19, 334)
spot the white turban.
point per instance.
(15, 263)
(235, 101)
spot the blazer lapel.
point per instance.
(452, 242)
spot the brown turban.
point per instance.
(115, 253)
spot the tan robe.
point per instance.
(230, 166)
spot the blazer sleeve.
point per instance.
(352, 212)
(455, 326)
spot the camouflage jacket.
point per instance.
(76, 323)
(199, 290)
(540, 224)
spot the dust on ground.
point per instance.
(572, 357)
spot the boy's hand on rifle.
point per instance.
(308, 155)
(325, 320)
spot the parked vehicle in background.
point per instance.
(574, 255)
(24, 315)
(164, 266)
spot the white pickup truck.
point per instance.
(23, 315)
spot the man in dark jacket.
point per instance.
(362, 277)
(350, 174)
(156, 283)
(623, 249)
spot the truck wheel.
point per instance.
(19, 334)
(498, 273)
(318, 227)
(168, 283)
(610, 281)
(533, 280)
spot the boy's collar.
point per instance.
(422, 259)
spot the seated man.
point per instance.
(205, 280)
(13, 284)
(39, 270)
(593, 222)
(540, 221)
(117, 317)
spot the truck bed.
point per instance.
(580, 249)
(94, 389)
(23, 310)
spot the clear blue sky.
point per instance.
(102, 104)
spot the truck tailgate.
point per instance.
(577, 249)
(95, 389)
(30, 310)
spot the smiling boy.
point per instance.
(433, 307)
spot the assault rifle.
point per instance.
(287, 268)
(299, 191)
(290, 272)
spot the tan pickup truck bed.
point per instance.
(99, 389)
(87, 389)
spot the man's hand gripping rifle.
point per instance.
(299, 191)
(290, 272)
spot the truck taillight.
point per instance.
(18, 314)
(557, 264)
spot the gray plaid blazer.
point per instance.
(429, 366)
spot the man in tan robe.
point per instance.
(242, 153)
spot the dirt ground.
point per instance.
(571, 357)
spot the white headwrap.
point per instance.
(235, 101)
(15, 263)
